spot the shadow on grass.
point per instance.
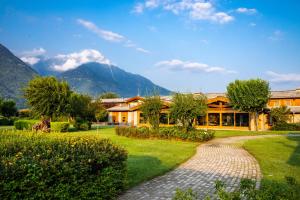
(294, 159)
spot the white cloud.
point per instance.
(252, 24)
(64, 62)
(106, 35)
(33, 56)
(179, 65)
(110, 36)
(142, 50)
(194, 9)
(279, 77)
(138, 8)
(249, 11)
(276, 35)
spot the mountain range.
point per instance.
(91, 78)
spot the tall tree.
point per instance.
(109, 95)
(8, 108)
(151, 108)
(47, 96)
(249, 96)
(186, 107)
(82, 106)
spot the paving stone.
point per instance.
(218, 159)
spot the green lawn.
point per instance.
(231, 133)
(146, 158)
(278, 157)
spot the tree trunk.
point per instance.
(256, 121)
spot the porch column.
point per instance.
(220, 120)
(206, 119)
(234, 119)
(168, 118)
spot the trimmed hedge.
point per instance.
(60, 126)
(38, 167)
(25, 124)
(4, 121)
(165, 133)
(55, 126)
(286, 126)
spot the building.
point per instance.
(220, 115)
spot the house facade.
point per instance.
(220, 114)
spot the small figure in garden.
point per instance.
(43, 126)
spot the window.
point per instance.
(227, 119)
(201, 121)
(276, 103)
(163, 118)
(142, 119)
(213, 119)
(242, 119)
(123, 119)
(288, 102)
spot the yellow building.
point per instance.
(220, 115)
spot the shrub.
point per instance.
(81, 124)
(38, 167)
(60, 126)
(165, 133)
(188, 194)
(4, 121)
(25, 124)
(284, 126)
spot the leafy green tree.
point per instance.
(280, 114)
(48, 97)
(186, 107)
(109, 95)
(101, 113)
(82, 106)
(8, 108)
(249, 96)
(151, 108)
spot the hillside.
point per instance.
(95, 78)
(14, 74)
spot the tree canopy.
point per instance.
(151, 110)
(186, 107)
(48, 96)
(280, 114)
(249, 96)
(8, 108)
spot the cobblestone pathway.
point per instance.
(218, 159)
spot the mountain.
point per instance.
(95, 78)
(14, 75)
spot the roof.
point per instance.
(119, 108)
(294, 109)
(285, 94)
(115, 100)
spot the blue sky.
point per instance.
(183, 45)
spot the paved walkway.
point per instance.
(218, 159)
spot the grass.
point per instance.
(146, 158)
(278, 157)
(232, 133)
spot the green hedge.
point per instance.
(25, 124)
(4, 121)
(60, 126)
(165, 133)
(286, 127)
(55, 126)
(39, 167)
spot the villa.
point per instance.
(220, 114)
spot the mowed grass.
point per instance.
(146, 158)
(278, 157)
(232, 133)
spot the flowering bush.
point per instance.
(33, 166)
(166, 133)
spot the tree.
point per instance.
(186, 107)
(109, 95)
(280, 114)
(81, 106)
(151, 108)
(48, 97)
(249, 96)
(100, 112)
(8, 108)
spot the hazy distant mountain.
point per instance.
(14, 75)
(95, 78)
